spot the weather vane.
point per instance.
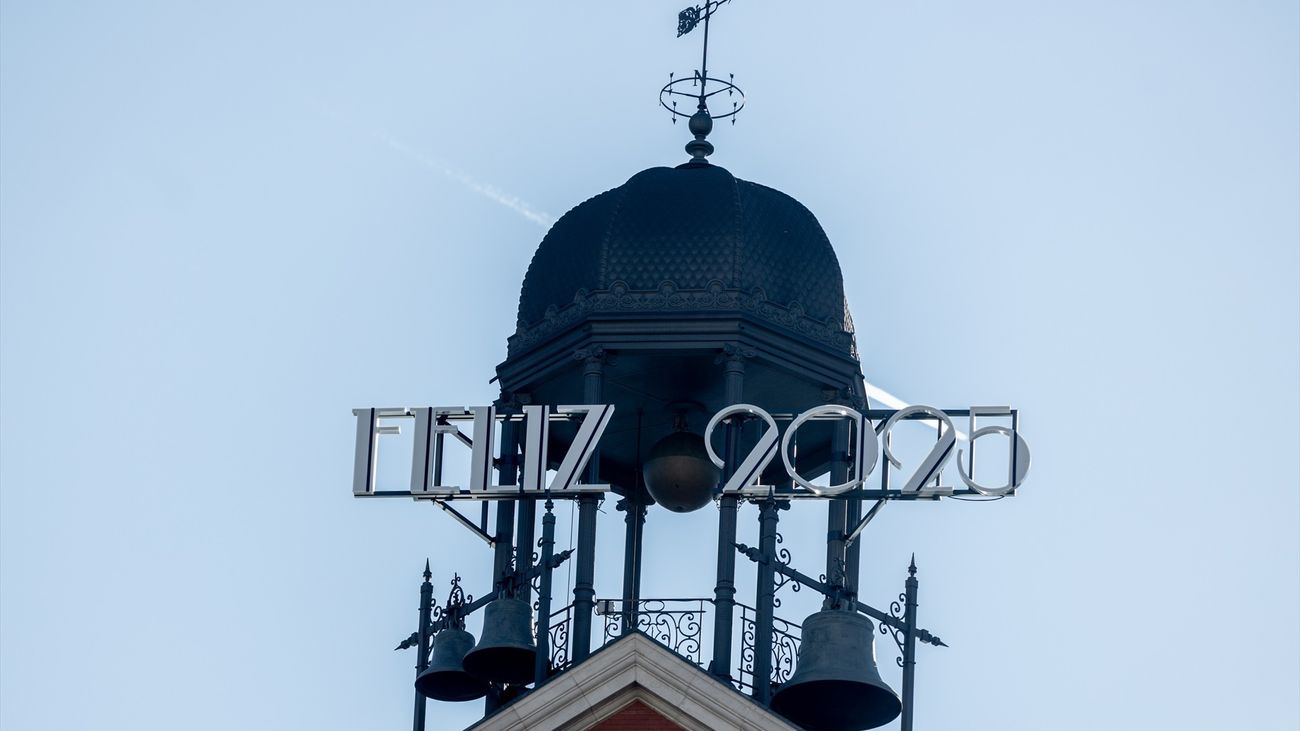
(701, 120)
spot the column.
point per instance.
(584, 593)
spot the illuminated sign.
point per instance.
(435, 425)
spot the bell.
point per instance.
(836, 686)
(445, 679)
(506, 651)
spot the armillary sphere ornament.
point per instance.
(678, 87)
(700, 86)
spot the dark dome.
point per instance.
(669, 232)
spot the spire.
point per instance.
(701, 120)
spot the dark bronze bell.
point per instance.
(445, 679)
(836, 686)
(506, 651)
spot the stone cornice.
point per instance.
(634, 668)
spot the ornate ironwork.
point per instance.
(450, 614)
(675, 623)
(786, 638)
(728, 86)
(781, 581)
(558, 636)
(896, 611)
(536, 581)
(782, 555)
(687, 20)
(785, 649)
(747, 635)
(783, 558)
(409, 642)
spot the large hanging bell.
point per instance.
(506, 651)
(445, 679)
(836, 686)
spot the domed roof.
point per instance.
(686, 238)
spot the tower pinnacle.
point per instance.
(701, 120)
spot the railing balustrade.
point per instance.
(678, 624)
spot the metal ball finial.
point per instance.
(701, 125)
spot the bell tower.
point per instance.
(683, 341)
(678, 294)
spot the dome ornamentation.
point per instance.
(669, 297)
(677, 241)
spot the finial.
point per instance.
(701, 121)
(409, 642)
(701, 125)
(428, 574)
(911, 570)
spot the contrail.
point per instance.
(490, 192)
(894, 402)
(885, 397)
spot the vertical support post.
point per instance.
(542, 666)
(763, 605)
(724, 591)
(837, 511)
(508, 468)
(853, 556)
(909, 645)
(584, 593)
(524, 544)
(853, 515)
(503, 549)
(635, 519)
(422, 658)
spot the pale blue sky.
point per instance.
(224, 225)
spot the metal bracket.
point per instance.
(460, 518)
(853, 534)
(835, 593)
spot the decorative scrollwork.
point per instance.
(781, 582)
(896, 611)
(896, 607)
(451, 612)
(613, 623)
(786, 638)
(785, 649)
(558, 634)
(748, 634)
(675, 623)
(783, 557)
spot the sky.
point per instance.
(225, 225)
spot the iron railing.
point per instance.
(557, 633)
(675, 623)
(786, 638)
(679, 624)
